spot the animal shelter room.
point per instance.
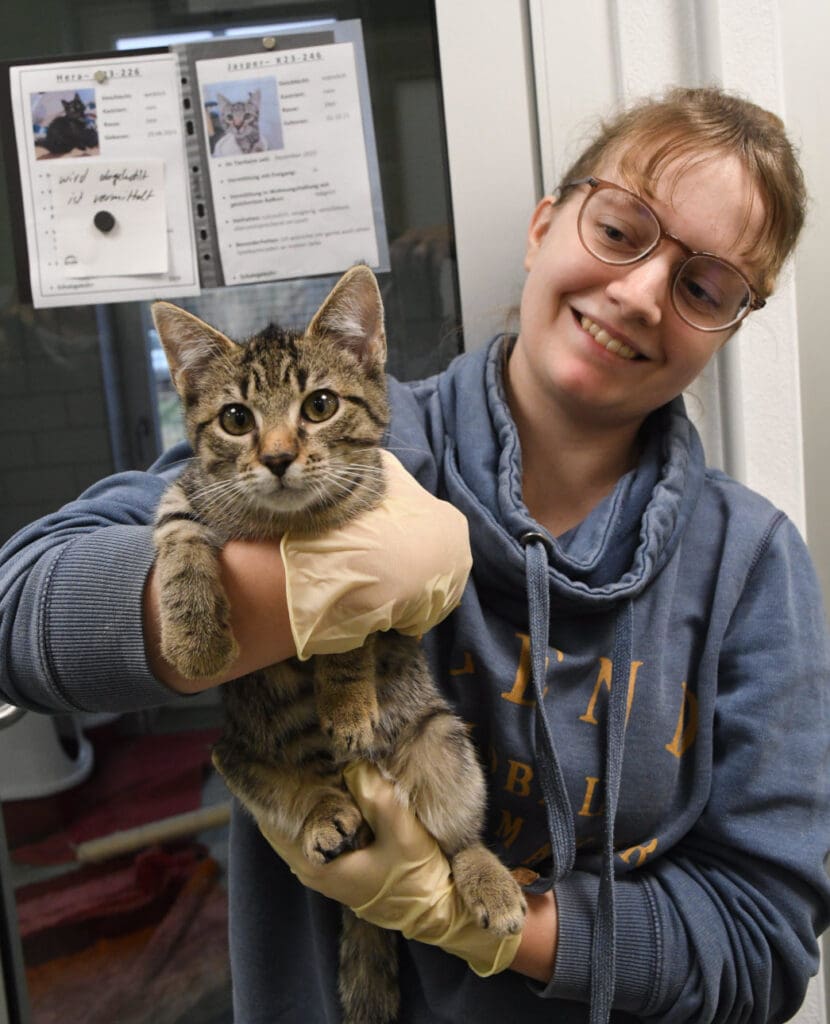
(414, 550)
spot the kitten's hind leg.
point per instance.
(488, 890)
(437, 767)
(368, 975)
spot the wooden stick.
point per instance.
(153, 832)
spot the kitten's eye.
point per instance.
(237, 419)
(320, 405)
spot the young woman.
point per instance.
(641, 650)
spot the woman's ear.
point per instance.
(539, 224)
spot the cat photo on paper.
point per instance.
(242, 117)
(64, 124)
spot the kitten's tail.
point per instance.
(368, 972)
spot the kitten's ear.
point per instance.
(353, 315)
(254, 97)
(190, 344)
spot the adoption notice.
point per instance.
(103, 174)
(289, 177)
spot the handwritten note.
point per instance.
(111, 218)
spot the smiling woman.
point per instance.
(640, 653)
(632, 316)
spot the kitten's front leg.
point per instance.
(196, 637)
(346, 698)
(304, 805)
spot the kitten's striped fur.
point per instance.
(291, 728)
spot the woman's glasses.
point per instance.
(619, 228)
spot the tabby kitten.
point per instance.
(240, 121)
(285, 431)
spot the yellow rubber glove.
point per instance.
(402, 881)
(401, 566)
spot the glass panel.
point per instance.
(85, 391)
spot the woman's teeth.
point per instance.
(605, 339)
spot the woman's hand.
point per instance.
(401, 881)
(402, 566)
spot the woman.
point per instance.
(641, 651)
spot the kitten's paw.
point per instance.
(334, 827)
(489, 891)
(350, 725)
(201, 651)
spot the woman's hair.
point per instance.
(686, 126)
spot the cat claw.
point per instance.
(329, 836)
(489, 891)
(351, 737)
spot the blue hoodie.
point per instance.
(649, 693)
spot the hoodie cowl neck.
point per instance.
(621, 545)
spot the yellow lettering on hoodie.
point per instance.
(587, 811)
(509, 828)
(518, 778)
(642, 853)
(541, 854)
(604, 679)
(686, 731)
(523, 675)
(467, 669)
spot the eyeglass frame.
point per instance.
(598, 184)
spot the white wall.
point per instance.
(805, 33)
(504, 59)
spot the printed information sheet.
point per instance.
(289, 178)
(104, 180)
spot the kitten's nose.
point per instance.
(278, 462)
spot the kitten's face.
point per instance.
(236, 116)
(289, 419)
(288, 424)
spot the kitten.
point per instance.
(70, 130)
(285, 431)
(240, 121)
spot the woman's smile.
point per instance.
(611, 342)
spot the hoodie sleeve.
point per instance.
(71, 588)
(723, 926)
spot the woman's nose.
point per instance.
(642, 289)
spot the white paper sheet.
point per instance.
(81, 119)
(290, 185)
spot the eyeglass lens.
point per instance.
(617, 228)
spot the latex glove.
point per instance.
(401, 566)
(402, 881)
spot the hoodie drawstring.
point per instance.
(603, 948)
(557, 805)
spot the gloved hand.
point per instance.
(401, 881)
(401, 566)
